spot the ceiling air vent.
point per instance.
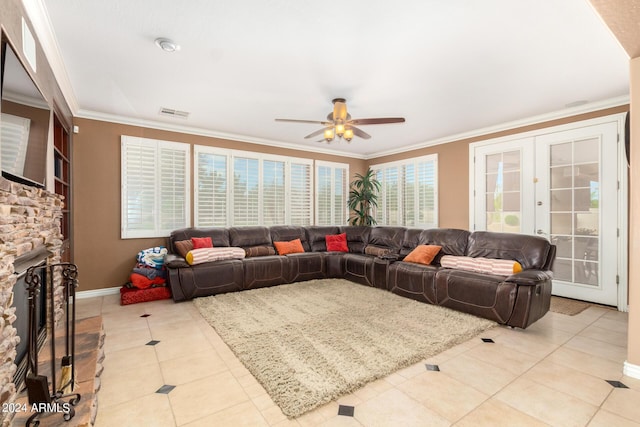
(173, 113)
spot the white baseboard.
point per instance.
(97, 293)
(631, 370)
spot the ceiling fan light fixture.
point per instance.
(340, 129)
(328, 135)
(348, 135)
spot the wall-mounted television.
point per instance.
(24, 123)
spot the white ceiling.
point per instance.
(448, 67)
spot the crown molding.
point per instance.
(39, 16)
(192, 130)
(555, 115)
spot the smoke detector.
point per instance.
(167, 45)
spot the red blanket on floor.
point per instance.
(133, 295)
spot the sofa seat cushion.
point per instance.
(480, 294)
(206, 279)
(265, 271)
(500, 267)
(412, 280)
(358, 268)
(306, 266)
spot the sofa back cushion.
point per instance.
(287, 233)
(316, 237)
(452, 241)
(248, 237)
(219, 236)
(387, 237)
(530, 251)
(411, 240)
(357, 237)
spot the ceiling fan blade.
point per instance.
(316, 133)
(315, 122)
(377, 121)
(359, 132)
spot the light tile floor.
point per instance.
(553, 373)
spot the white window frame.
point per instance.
(231, 155)
(155, 147)
(382, 198)
(345, 191)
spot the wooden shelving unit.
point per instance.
(62, 176)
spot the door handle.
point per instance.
(540, 232)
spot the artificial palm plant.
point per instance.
(363, 196)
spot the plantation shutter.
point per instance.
(391, 189)
(211, 189)
(427, 215)
(155, 187)
(408, 195)
(246, 191)
(273, 192)
(331, 193)
(300, 194)
(15, 138)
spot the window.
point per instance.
(155, 187)
(15, 139)
(331, 193)
(244, 188)
(408, 195)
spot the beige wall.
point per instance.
(103, 258)
(453, 167)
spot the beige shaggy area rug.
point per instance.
(311, 342)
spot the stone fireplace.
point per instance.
(29, 224)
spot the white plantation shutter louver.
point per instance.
(155, 187)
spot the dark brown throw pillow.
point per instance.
(183, 247)
(376, 250)
(259, 251)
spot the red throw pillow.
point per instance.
(201, 242)
(337, 242)
(292, 247)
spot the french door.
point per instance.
(564, 186)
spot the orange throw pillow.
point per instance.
(423, 254)
(292, 247)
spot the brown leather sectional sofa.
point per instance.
(517, 300)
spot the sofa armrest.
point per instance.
(175, 261)
(530, 277)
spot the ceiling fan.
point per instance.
(339, 123)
